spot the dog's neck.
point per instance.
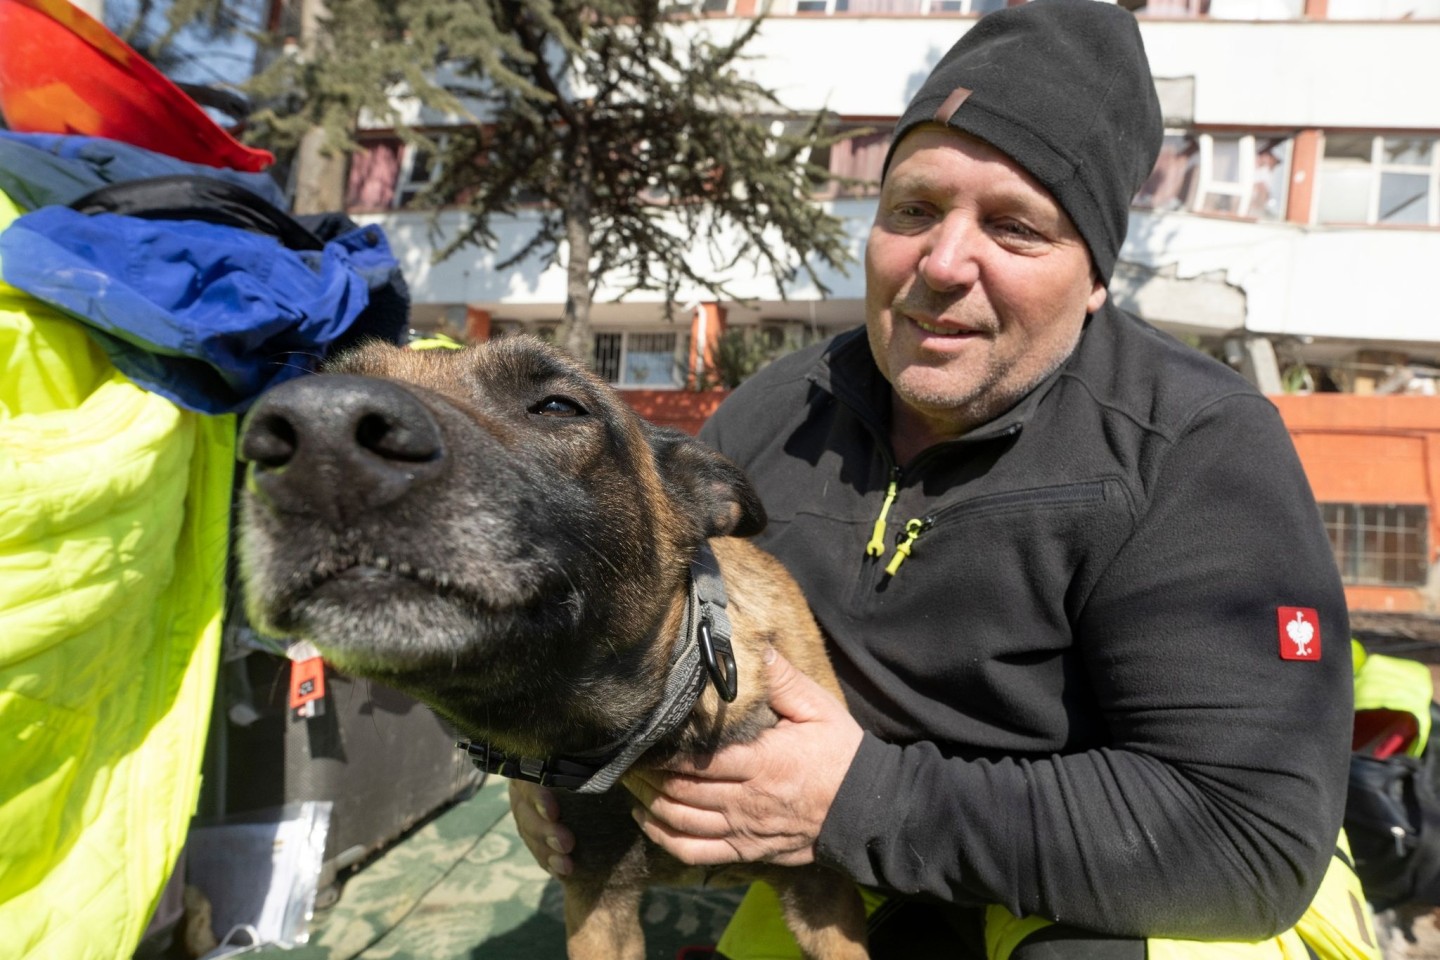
(695, 652)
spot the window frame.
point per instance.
(407, 188)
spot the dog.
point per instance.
(495, 532)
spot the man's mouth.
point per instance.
(940, 330)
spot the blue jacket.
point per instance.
(205, 315)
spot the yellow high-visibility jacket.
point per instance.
(114, 507)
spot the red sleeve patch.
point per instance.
(1299, 633)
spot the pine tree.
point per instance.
(655, 163)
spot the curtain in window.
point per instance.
(860, 158)
(373, 173)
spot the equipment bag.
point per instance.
(1392, 812)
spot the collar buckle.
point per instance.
(719, 662)
(551, 772)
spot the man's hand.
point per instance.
(760, 801)
(537, 818)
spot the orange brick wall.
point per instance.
(686, 409)
(1369, 449)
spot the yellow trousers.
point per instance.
(1338, 926)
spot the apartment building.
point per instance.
(1290, 227)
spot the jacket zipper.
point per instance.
(876, 546)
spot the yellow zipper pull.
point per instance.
(876, 546)
(913, 529)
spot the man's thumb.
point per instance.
(793, 695)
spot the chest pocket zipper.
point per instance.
(1092, 492)
(906, 542)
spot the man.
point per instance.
(1078, 594)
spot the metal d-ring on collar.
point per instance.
(703, 650)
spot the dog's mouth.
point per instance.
(376, 570)
(379, 616)
(378, 609)
(360, 583)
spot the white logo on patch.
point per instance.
(1301, 633)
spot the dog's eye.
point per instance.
(558, 407)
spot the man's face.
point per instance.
(977, 284)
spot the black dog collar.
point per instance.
(703, 650)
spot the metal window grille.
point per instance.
(629, 359)
(609, 352)
(1378, 544)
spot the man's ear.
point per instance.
(706, 485)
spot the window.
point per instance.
(898, 7)
(631, 359)
(1221, 9)
(1167, 8)
(1378, 179)
(685, 8)
(1378, 543)
(1256, 9)
(963, 6)
(858, 159)
(1241, 175)
(1383, 10)
(419, 167)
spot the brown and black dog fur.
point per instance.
(496, 532)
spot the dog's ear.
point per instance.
(706, 485)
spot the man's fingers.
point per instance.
(665, 799)
(537, 821)
(688, 821)
(731, 764)
(712, 851)
(697, 851)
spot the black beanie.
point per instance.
(1063, 88)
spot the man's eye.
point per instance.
(558, 407)
(1018, 231)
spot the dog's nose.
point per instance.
(338, 445)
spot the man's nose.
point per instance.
(950, 257)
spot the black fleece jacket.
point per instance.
(1073, 687)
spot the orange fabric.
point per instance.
(62, 71)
